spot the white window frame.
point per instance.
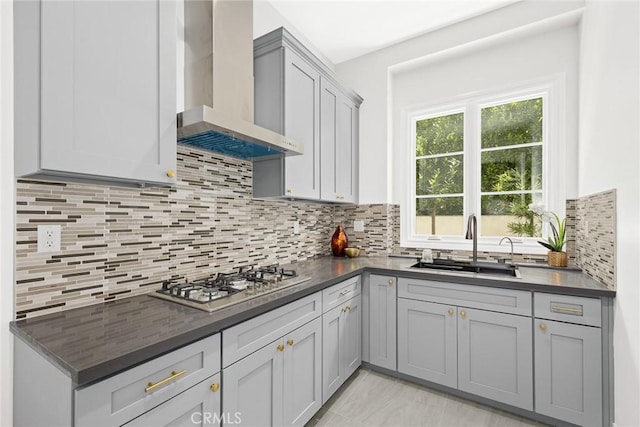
(551, 89)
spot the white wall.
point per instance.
(609, 155)
(369, 76)
(6, 211)
(266, 19)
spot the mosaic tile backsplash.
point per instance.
(119, 242)
(596, 236)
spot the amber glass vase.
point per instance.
(339, 241)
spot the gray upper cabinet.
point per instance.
(297, 95)
(338, 145)
(382, 321)
(95, 90)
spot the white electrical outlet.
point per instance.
(358, 225)
(296, 227)
(48, 238)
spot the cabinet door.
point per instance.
(332, 366)
(338, 137)
(382, 321)
(568, 370)
(346, 161)
(108, 88)
(428, 341)
(253, 387)
(352, 336)
(329, 107)
(302, 122)
(495, 356)
(198, 406)
(302, 394)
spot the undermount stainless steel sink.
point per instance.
(470, 267)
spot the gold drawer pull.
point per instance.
(346, 291)
(570, 310)
(463, 313)
(543, 326)
(290, 342)
(390, 282)
(450, 311)
(151, 386)
(171, 174)
(215, 387)
(280, 347)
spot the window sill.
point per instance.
(487, 244)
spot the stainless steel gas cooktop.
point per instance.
(226, 289)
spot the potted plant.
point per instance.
(556, 256)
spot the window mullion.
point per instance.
(472, 152)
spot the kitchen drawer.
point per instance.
(194, 407)
(580, 310)
(118, 399)
(337, 294)
(482, 297)
(241, 340)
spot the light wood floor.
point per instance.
(371, 399)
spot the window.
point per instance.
(484, 155)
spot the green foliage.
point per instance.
(556, 242)
(502, 170)
(513, 123)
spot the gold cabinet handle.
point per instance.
(463, 313)
(450, 311)
(171, 174)
(290, 342)
(215, 387)
(543, 326)
(390, 282)
(151, 386)
(289, 191)
(346, 291)
(570, 310)
(280, 347)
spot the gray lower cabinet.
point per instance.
(495, 353)
(481, 352)
(568, 361)
(341, 345)
(167, 390)
(280, 384)
(382, 321)
(198, 406)
(428, 341)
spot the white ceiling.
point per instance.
(343, 30)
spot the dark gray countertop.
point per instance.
(97, 341)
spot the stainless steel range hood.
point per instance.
(219, 83)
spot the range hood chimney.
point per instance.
(219, 83)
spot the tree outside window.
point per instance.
(510, 173)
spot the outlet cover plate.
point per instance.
(358, 225)
(49, 237)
